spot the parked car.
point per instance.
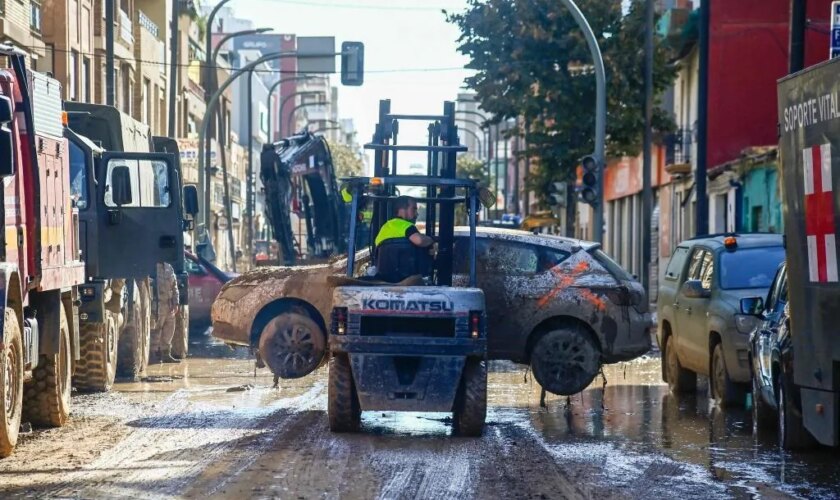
(702, 329)
(205, 283)
(775, 403)
(561, 305)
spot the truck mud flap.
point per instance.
(406, 383)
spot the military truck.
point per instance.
(121, 240)
(807, 382)
(405, 339)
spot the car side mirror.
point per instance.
(191, 200)
(7, 149)
(121, 185)
(693, 289)
(752, 306)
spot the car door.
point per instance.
(690, 313)
(769, 329)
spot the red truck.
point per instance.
(40, 267)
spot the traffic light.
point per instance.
(588, 191)
(556, 196)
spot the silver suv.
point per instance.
(702, 327)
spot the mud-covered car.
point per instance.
(558, 304)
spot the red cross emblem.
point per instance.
(819, 214)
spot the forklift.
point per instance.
(403, 338)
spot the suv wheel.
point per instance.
(679, 379)
(724, 390)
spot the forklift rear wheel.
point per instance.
(470, 409)
(11, 382)
(565, 361)
(292, 345)
(344, 411)
(47, 395)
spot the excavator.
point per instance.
(299, 179)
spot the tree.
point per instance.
(533, 64)
(346, 162)
(469, 167)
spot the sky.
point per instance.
(411, 52)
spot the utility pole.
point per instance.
(173, 67)
(702, 214)
(647, 190)
(798, 24)
(109, 53)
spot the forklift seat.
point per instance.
(398, 258)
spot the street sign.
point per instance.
(835, 29)
(308, 46)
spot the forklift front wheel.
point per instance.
(470, 410)
(345, 413)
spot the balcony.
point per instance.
(678, 148)
(149, 25)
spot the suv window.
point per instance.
(701, 267)
(675, 265)
(508, 257)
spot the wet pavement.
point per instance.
(210, 428)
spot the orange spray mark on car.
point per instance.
(567, 279)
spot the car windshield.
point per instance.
(750, 267)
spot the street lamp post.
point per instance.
(292, 96)
(208, 49)
(271, 93)
(289, 122)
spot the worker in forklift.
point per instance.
(401, 249)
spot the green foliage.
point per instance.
(468, 167)
(346, 162)
(533, 63)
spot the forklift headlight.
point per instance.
(339, 320)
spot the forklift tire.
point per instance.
(46, 400)
(97, 367)
(565, 361)
(343, 407)
(11, 382)
(133, 344)
(470, 410)
(792, 432)
(292, 345)
(181, 340)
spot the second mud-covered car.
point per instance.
(549, 299)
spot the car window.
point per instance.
(783, 289)
(149, 183)
(708, 271)
(612, 266)
(695, 267)
(505, 257)
(78, 176)
(750, 267)
(675, 265)
(549, 258)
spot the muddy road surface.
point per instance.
(209, 428)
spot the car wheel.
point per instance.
(565, 361)
(762, 413)
(292, 345)
(792, 432)
(680, 380)
(725, 392)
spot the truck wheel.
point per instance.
(725, 392)
(343, 407)
(292, 345)
(792, 432)
(47, 395)
(565, 361)
(181, 340)
(145, 322)
(762, 414)
(680, 380)
(134, 342)
(11, 382)
(97, 367)
(470, 410)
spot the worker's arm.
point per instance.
(421, 240)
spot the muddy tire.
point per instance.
(46, 400)
(345, 413)
(791, 430)
(134, 341)
(292, 345)
(145, 294)
(725, 392)
(181, 340)
(680, 380)
(762, 413)
(97, 367)
(565, 361)
(11, 382)
(470, 409)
